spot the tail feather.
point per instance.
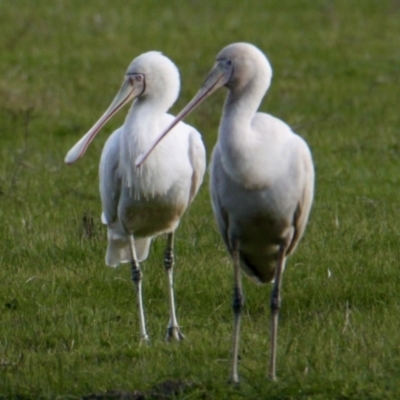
(118, 251)
(256, 274)
(142, 247)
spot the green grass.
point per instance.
(68, 324)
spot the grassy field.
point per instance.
(69, 325)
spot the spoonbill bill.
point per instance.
(139, 204)
(262, 180)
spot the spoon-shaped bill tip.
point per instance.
(140, 160)
(76, 152)
(129, 90)
(143, 156)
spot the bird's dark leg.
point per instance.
(237, 306)
(137, 280)
(173, 330)
(275, 307)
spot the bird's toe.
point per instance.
(174, 332)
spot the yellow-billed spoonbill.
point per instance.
(262, 180)
(139, 204)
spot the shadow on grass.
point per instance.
(163, 391)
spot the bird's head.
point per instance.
(242, 64)
(159, 78)
(149, 76)
(239, 66)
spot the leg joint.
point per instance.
(238, 300)
(136, 274)
(168, 259)
(275, 302)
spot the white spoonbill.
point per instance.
(262, 180)
(139, 204)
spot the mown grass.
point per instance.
(68, 324)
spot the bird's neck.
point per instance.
(239, 110)
(238, 141)
(142, 125)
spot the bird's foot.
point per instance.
(234, 381)
(272, 377)
(174, 332)
(145, 340)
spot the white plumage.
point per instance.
(262, 180)
(139, 204)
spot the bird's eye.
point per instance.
(139, 78)
(228, 63)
